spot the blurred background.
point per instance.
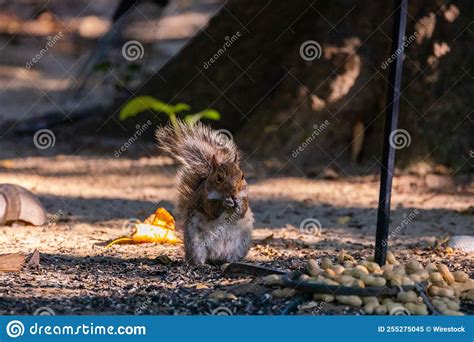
(62, 65)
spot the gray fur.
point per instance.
(218, 241)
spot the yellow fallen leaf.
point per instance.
(161, 218)
(121, 240)
(157, 228)
(148, 233)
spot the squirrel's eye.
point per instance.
(242, 176)
(220, 178)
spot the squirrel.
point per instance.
(213, 194)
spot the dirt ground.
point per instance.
(91, 196)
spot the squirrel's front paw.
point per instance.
(241, 206)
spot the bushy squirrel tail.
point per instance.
(195, 146)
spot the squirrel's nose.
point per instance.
(229, 202)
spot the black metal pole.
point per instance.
(391, 118)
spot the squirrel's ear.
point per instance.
(214, 162)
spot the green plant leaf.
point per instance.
(181, 107)
(190, 119)
(135, 106)
(143, 103)
(210, 114)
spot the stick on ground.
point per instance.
(11, 262)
